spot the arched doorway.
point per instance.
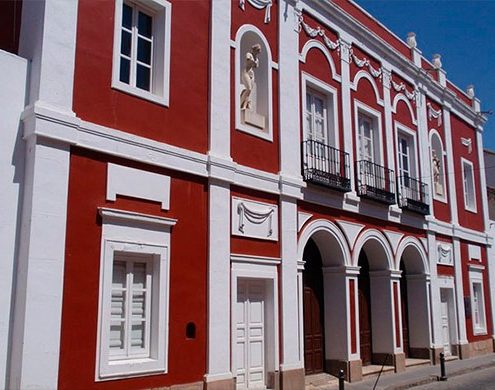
(325, 325)
(314, 324)
(414, 300)
(377, 332)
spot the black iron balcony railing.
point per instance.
(413, 195)
(326, 166)
(375, 182)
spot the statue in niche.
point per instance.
(248, 95)
(247, 76)
(436, 165)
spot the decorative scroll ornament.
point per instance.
(259, 4)
(432, 113)
(318, 31)
(444, 254)
(256, 217)
(402, 88)
(377, 73)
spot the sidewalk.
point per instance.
(416, 376)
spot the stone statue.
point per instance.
(436, 163)
(247, 76)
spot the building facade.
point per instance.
(233, 194)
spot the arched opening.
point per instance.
(414, 303)
(325, 296)
(437, 166)
(314, 353)
(375, 301)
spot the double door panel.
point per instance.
(250, 334)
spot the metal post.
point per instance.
(443, 375)
(341, 380)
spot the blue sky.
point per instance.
(463, 32)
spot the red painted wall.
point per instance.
(460, 130)
(467, 292)
(10, 25)
(254, 246)
(185, 122)
(247, 149)
(188, 265)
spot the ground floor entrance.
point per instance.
(250, 334)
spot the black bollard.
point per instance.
(341, 380)
(443, 375)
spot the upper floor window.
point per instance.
(468, 185)
(316, 116)
(142, 49)
(368, 134)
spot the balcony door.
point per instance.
(366, 139)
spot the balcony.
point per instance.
(413, 195)
(326, 166)
(375, 182)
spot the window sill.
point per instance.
(119, 369)
(480, 332)
(134, 91)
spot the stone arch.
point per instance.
(414, 254)
(363, 74)
(376, 245)
(313, 43)
(401, 97)
(329, 239)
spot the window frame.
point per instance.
(476, 278)
(469, 207)
(161, 12)
(144, 235)
(330, 95)
(361, 109)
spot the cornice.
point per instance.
(389, 54)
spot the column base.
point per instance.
(353, 369)
(292, 379)
(462, 350)
(397, 360)
(222, 384)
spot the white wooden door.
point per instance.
(250, 334)
(444, 304)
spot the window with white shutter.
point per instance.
(468, 185)
(134, 285)
(477, 300)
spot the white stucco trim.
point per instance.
(364, 74)
(373, 234)
(313, 43)
(401, 97)
(418, 246)
(328, 227)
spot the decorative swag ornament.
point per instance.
(256, 217)
(259, 4)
